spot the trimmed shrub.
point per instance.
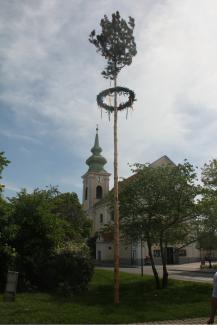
(68, 272)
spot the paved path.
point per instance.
(187, 272)
(185, 322)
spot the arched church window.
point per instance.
(86, 190)
(99, 192)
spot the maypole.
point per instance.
(116, 205)
(116, 43)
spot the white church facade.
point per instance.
(95, 190)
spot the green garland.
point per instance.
(120, 91)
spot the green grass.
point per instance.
(140, 302)
(205, 267)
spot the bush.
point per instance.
(68, 272)
(36, 224)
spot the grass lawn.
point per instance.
(140, 302)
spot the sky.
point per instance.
(50, 76)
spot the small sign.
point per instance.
(11, 286)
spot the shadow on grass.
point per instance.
(139, 302)
(136, 291)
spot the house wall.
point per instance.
(131, 254)
(106, 251)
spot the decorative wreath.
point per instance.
(120, 91)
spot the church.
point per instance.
(95, 190)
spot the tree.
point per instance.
(45, 221)
(156, 203)
(207, 236)
(67, 207)
(207, 240)
(7, 235)
(38, 233)
(3, 163)
(7, 231)
(209, 176)
(116, 43)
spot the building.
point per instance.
(95, 190)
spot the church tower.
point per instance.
(96, 179)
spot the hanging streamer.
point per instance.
(104, 98)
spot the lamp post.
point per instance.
(116, 43)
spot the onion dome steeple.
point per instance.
(96, 162)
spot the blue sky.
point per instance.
(51, 74)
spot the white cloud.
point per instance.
(22, 137)
(16, 188)
(51, 76)
(174, 76)
(12, 187)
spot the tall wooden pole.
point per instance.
(116, 44)
(116, 205)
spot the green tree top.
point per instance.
(3, 163)
(209, 175)
(164, 193)
(157, 205)
(116, 43)
(207, 236)
(68, 207)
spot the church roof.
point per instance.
(162, 161)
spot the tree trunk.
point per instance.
(142, 258)
(116, 205)
(156, 276)
(210, 259)
(164, 264)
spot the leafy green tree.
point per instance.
(156, 203)
(116, 43)
(67, 207)
(3, 163)
(45, 221)
(207, 240)
(7, 235)
(207, 235)
(209, 176)
(7, 231)
(38, 233)
(35, 226)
